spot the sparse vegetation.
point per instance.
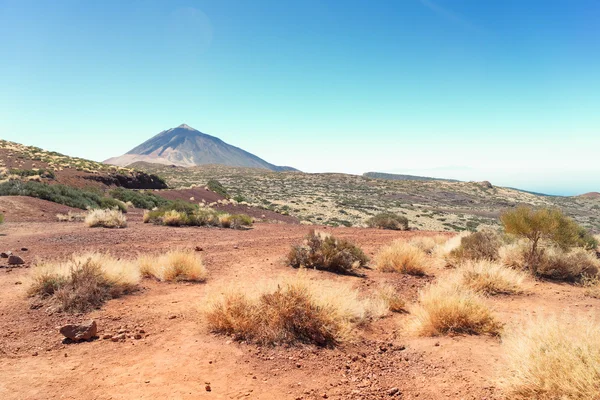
(392, 299)
(175, 265)
(71, 217)
(296, 311)
(139, 199)
(388, 221)
(428, 243)
(83, 283)
(60, 194)
(186, 214)
(553, 358)
(491, 278)
(326, 252)
(567, 265)
(450, 308)
(105, 218)
(402, 257)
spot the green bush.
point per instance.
(139, 199)
(44, 173)
(388, 221)
(61, 194)
(216, 187)
(325, 252)
(545, 225)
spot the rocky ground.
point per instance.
(154, 344)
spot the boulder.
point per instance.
(77, 332)
(15, 260)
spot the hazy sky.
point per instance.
(505, 90)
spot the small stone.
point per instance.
(393, 391)
(235, 247)
(18, 283)
(117, 338)
(5, 254)
(324, 395)
(172, 316)
(298, 365)
(137, 336)
(24, 249)
(198, 248)
(84, 331)
(107, 336)
(15, 260)
(35, 353)
(207, 388)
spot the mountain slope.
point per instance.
(187, 147)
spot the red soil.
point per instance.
(177, 358)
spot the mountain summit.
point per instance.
(188, 147)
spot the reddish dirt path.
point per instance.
(178, 357)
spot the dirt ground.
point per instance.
(177, 358)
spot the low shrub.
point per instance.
(391, 298)
(514, 254)
(450, 308)
(491, 278)
(139, 199)
(388, 221)
(326, 252)
(83, 283)
(569, 265)
(60, 194)
(401, 257)
(215, 186)
(106, 219)
(482, 245)
(553, 357)
(295, 311)
(175, 265)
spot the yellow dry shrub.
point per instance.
(513, 254)
(443, 250)
(553, 357)
(448, 307)
(293, 310)
(105, 218)
(428, 243)
(491, 278)
(390, 298)
(401, 257)
(175, 265)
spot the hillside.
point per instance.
(186, 146)
(402, 177)
(341, 199)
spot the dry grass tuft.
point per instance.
(296, 310)
(570, 265)
(175, 265)
(450, 308)
(428, 243)
(553, 358)
(391, 298)
(84, 282)
(491, 278)
(106, 218)
(513, 254)
(482, 245)
(70, 217)
(442, 250)
(401, 257)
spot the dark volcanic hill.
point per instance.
(188, 147)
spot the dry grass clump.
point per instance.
(491, 278)
(569, 265)
(106, 218)
(450, 308)
(428, 243)
(84, 282)
(391, 298)
(295, 311)
(482, 245)
(592, 286)
(175, 265)
(513, 255)
(401, 257)
(70, 217)
(554, 358)
(326, 252)
(442, 250)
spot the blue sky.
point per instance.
(507, 91)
